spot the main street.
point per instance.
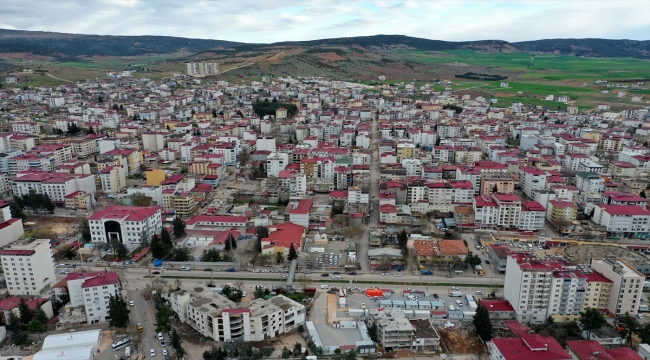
(374, 196)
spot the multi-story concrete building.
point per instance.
(91, 290)
(126, 224)
(504, 183)
(183, 203)
(531, 179)
(622, 220)
(153, 141)
(275, 163)
(627, 284)
(394, 331)
(528, 285)
(216, 317)
(532, 216)
(266, 143)
(57, 185)
(113, 179)
(509, 210)
(28, 267)
(561, 211)
(590, 182)
(202, 69)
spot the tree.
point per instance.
(175, 340)
(212, 255)
(179, 227)
(16, 210)
(231, 243)
(166, 239)
(591, 319)
(13, 323)
(179, 254)
(35, 326)
(495, 189)
(630, 326)
(164, 318)
(402, 239)
(214, 112)
(549, 321)
(25, 313)
(121, 251)
(482, 323)
(243, 157)
(118, 311)
(41, 315)
(286, 353)
(279, 258)
(642, 194)
(84, 229)
(90, 130)
(292, 253)
(158, 250)
(472, 260)
(140, 199)
(297, 349)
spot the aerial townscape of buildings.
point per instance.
(311, 206)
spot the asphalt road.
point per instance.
(374, 198)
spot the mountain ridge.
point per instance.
(63, 45)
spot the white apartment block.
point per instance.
(202, 69)
(590, 182)
(126, 224)
(531, 179)
(627, 284)
(266, 143)
(26, 162)
(28, 267)
(413, 167)
(275, 163)
(622, 220)
(216, 317)
(55, 184)
(153, 141)
(91, 290)
(357, 196)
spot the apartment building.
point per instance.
(532, 216)
(28, 267)
(622, 220)
(275, 163)
(126, 224)
(532, 179)
(202, 69)
(113, 179)
(394, 330)
(509, 210)
(216, 317)
(528, 285)
(627, 284)
(153, 141)
(83, 147)
(31, 161)
(91, 290)
(561, 211)
(57, 185)
(589, 182)
(505, 184)
(61, 153)
(182, 203)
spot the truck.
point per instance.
(644, 308)
(230, 270)
(455, 294)
(427, 272)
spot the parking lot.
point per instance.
(332, 256)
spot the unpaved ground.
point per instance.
(59, 225)
(461, 341)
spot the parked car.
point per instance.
(152, 352)
(131, 303)
(435, 296)
(160, 336)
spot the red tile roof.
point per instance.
(108, 278)
(531, 347)
(12, 303)
(129, 213)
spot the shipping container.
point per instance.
(374, 292)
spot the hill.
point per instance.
(61, 45)
(588, 47)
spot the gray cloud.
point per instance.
(285, 20)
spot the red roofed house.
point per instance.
(125, 224)
(528, 347)
(593, 350)
(90, 289)
(10, 305)
(216, 222)
(281, 237)
(499, 309)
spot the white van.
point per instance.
(127, 351)
(452, 308)
(324, 286)
(459, 303)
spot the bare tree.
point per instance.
(239, 284)
(304, 280)
(386, 262)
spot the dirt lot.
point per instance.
(59, 225)
(461, 340)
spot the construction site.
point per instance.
(459, 337)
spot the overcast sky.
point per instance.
(264, 21)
